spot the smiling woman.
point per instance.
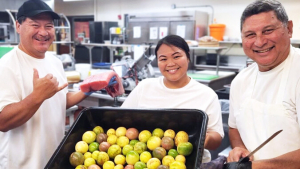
(175, 89)
(173, 64)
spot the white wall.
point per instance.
(225, 11)
(74, 8)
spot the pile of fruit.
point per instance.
(123, 148)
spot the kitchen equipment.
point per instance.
(144, 28)
(194, 122)
(245, 159)
(133, 71)
(83, 69)
(68, 61)
(3, 32)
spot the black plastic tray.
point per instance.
(194, 122)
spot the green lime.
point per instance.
(173, 152)
(158, 132)
(93, 146)
(140, 147)
(98, 129)
(132, 157)
(185, 148)
(133, 142)
(140, 165)
(126, 149)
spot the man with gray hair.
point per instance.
(265, 97)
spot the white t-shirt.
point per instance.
(264, 102)
(267, 83)
(152, 93)
(32, 144)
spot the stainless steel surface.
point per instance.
(131, 71)
(218, 51)
(109, 46)
(188, 24)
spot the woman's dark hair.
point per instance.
(260, 6)
(174, 40)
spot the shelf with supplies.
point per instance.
(63, 34)
(8, 31)
(216, 49)
(116, 35)
(113, 46)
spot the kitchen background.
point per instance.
(227, 12)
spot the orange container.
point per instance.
(217, 31)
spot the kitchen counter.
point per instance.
(101, 98)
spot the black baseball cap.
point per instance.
(31, 8)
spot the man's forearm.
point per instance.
(235, 138)
(16, 114)
(74, 98)
(287, 161)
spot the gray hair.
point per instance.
(260, 6)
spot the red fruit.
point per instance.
(101, 137)
(132, 133)
(129, 167)
(159, 153)
(167, 142)
(104, 146)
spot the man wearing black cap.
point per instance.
(33, 93)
